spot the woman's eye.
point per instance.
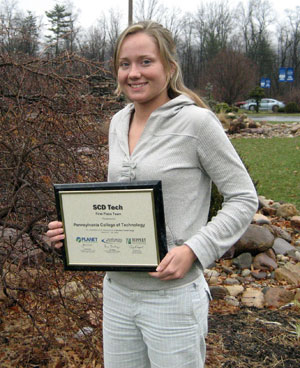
(124, 64)
(146, 62)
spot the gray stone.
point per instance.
(235, 290)
(213, 280)
(255, 240)
(211, 273)
(263, 261)
(244, 260)
(277, 297)
(260, 219)
(253, 298)
(294, 254)
(218, 292)
(227, 270)
(259, 275)
(281, 246)
(231, 300)
(295, 223)
(246, 272)
(287, 210)
(264, 202)
(231, 281)
(280, 233)
(289, 272)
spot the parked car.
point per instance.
(240, 103)
(267, 104)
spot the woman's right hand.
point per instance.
(55, 233)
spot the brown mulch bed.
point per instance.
(238, 337)
(250, 337)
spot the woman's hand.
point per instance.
(55, 233)
(175, 264)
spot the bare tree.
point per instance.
(232, 75)
(213, 25)
(113, 30)
(255, 21)
(94, 43)
(291, 40)
(19, 33)
(187, 52)
(148, 9)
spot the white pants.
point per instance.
(157, 329)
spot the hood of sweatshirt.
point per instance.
(156, 121)
(168, 109)
(162, 113)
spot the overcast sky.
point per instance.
(90, 10)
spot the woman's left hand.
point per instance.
(175, 264)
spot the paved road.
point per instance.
(295, 118)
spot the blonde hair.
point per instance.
(167, 50)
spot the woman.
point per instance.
(159, 319)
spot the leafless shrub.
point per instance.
(52, 118)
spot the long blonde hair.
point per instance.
(167, 50)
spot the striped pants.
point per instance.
(155, 329)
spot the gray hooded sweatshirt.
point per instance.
(186, 148)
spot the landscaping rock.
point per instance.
(277, 297)
(297, 295)
(234, 290)
(244, 260)
(253, 298)
(289, 273)
(287, 210)
(231, 281)
(260, 219)
(211, 273)
(280, 233)
(227, 270)
(213, 280)
(263, 261)
(231, 300)
(295, 223)
(246, 272)
(264, 202)
(255, 240)
(259, 275)
(218, 292)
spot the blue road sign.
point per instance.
(263, 82)
(286, 74)
(290, 75)
(282, 74)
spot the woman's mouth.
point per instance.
(137, 85)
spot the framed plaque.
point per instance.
(112, 226)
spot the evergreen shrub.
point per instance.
(291, 108)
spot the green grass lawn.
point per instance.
(264, 112)
(275, 164)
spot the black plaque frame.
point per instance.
(130, 187)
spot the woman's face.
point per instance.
(141, 74)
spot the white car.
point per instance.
(267, 104)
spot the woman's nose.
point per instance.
(134, 71)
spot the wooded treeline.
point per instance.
(223, 50)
